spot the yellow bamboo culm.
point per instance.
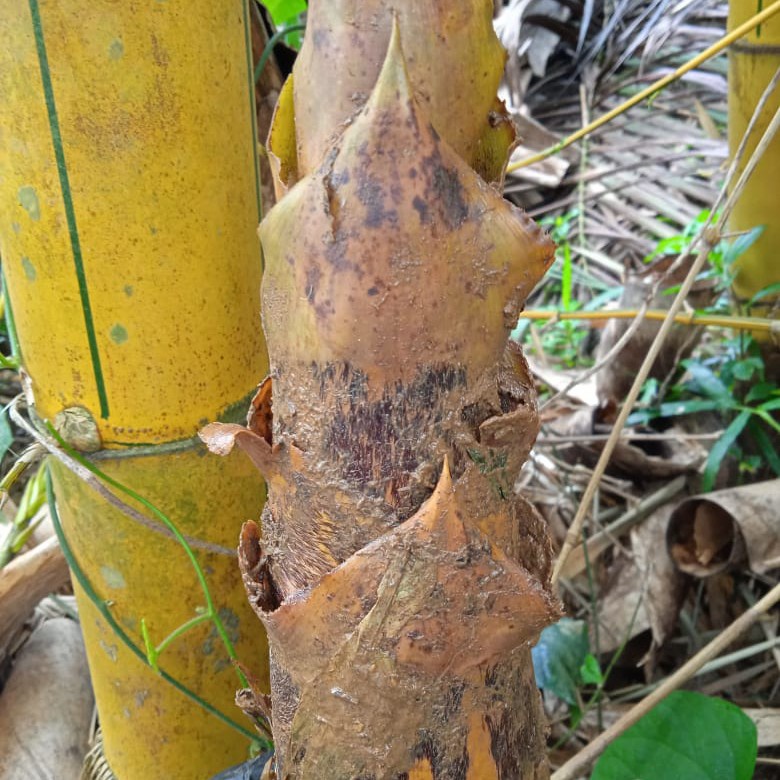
(128, 211)
(753, 61)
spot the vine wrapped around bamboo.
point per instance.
(400, 578)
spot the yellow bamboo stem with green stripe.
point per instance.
(753, 61)
(129, 203)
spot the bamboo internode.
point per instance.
(129, 205)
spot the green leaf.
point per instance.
(283, 11)
(744, 369)
(649, 391)
(676, 409)
(770, 406)
(9, 362)
(674, 245)
(590, 671)
(598, 301)
(759, 392)
(558, 656)
(772, 289)
(741, 244)
(6, 435)
(693, 227)
(762, 412)
(151, 652)
(721, 448)
(687, 736)
(705, 382)
(765, 445)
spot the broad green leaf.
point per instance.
(283, 11)
(687, 736)
(721, 448)
(745, 369)
(705, 382)
(558, 656)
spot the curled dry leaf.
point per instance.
(645, 460)
(708, 534)
(260, 417)
(646, 591)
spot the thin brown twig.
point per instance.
(578, 764)
(627, 436)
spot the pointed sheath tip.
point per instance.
(445, 480)
(433, 509)
(394, 76)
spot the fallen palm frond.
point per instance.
(646, 175)
(651, 91)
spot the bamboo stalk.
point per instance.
(399, 576)
(754, 68)
(131, 193)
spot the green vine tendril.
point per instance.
(150, 654)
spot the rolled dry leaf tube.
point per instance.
(739, 526)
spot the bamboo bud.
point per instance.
(399, 577)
